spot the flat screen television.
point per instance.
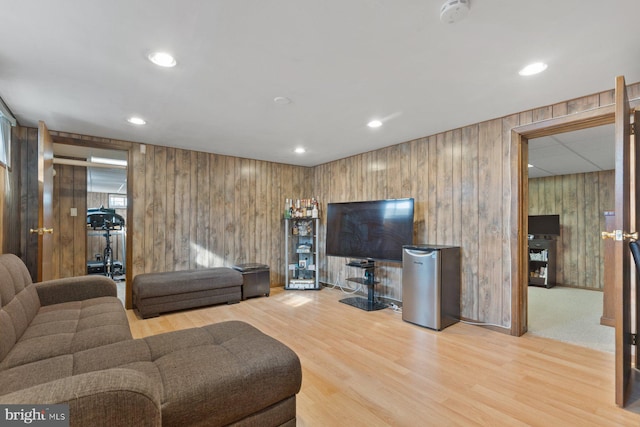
(374, 230)
(544, 225)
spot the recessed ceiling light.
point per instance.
(300, 150)
(530, 165)
(374, 124)
(531, 69)
(136, 121)
(282, 100)
(162, 59)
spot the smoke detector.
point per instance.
(453, 11)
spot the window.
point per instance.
(6, 121)
(5, 141)
(117, 201)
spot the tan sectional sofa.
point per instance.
(68, 341)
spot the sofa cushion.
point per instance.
(67, 328)
(111, 356)
(17, 321)
(19, 301)
(80, 288)
(14, 277)
(8, 334)
(218, 373)
(131, 354)
(31, 374)
(22, 309)
(222, 372)
(28, 297)
(106, 398)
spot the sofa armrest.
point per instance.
(75, 289)
(112, 397)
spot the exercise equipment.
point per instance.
(106, 220)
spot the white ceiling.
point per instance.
(100, 180)
(587, 150)
(80, 65)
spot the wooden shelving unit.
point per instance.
(542, 262)
(301, 257)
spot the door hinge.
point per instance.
(634, 339)
(632, 128)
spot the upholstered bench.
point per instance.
(155, 293)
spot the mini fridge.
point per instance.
(431, 285)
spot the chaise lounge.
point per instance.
(68, 341)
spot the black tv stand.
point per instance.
(365, 263)
(369, 303)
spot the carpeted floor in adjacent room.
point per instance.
(569, 315)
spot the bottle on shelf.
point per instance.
(308, 208)
(287, 208)
(301, 208)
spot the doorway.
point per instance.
(617, 112)
(520, 137)
(571, 177)
(89, 184)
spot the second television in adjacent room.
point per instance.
(544, 225)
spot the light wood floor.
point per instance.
(373, 369)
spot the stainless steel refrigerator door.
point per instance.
(421, 287)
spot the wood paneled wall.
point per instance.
(191, 209)
(580, 200)
(69, 236)
(460, 196)
(464, 183)
(194, 209)
(198, 210)
(28, 198)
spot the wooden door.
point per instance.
(620, 234)
(636, 215)
(45, 203)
